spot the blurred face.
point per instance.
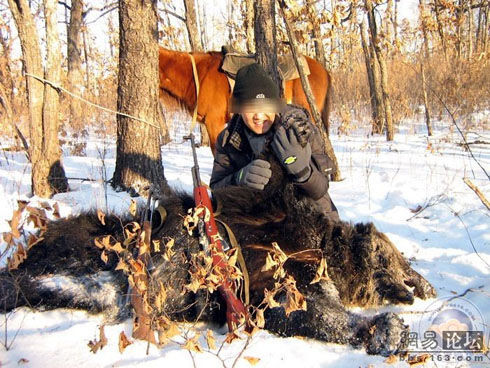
(258, 122)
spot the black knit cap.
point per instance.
(255, 91)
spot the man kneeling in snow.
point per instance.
(263, 123)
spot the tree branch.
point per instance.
(174, 14)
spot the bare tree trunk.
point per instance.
(316, 33)
(485, 34)
(48, 176)
(265, 38)
(440, 27)
(6, 76)
(138, 157)
(382, 69)
(426, 100)
(470, 29)
(424, 27)
(478, 27)
(86, 54)
(249, 25)
(379, 114)
(395, 21)
(75, 62)
(370, 65)
(459, 29)
(57, 181)
(204, 33)
(195, 42)
(307, 89)
(191, 24)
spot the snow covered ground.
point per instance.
(448, 242)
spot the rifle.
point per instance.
(210, 240)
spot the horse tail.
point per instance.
(327, 104)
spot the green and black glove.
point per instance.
(255, 175)
(293, 157)
(298, 120)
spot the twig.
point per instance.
(249, 338)
(430, 203)
(23, 140)
(174, 14)
(477, 191)
(469, 236)
(59, 88)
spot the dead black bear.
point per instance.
(364, 268)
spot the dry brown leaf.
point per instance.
(45, 205)
(321, 272)
(169, 252)
(269, 299)
(156, 245)
(21, 205)
(419, 360)
(122, 265)
(392, 359)
(259, 318)
(14, 223)
(281, 256)
(232, 336)
(294, 299)
(193, 345)
(161, 297)
(33, 240)
(251, 360)
(56, 210)
(8, 238)
(133, 208)
(17, 258)
(38, 217)
(116, 247)
(269, 263)
(96, 345)
(104, 257)
(123, 342)
(210, 340)
(103, 242)
(137, 267)
(194, 285)
(172, 331)
(101, 216)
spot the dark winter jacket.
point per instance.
(234, 151)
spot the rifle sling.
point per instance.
(241, 260)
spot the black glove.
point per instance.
(255, 175)
(294, 158)
(298, 120)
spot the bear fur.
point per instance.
(365, 269)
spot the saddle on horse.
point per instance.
(233, 61)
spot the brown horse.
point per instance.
(177, 81)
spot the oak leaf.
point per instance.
(123, 342)
(321, 272)
(192, 344)
(210, 340)
(96, 345)
(251, 360)
(133, 208)
(101, 216)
